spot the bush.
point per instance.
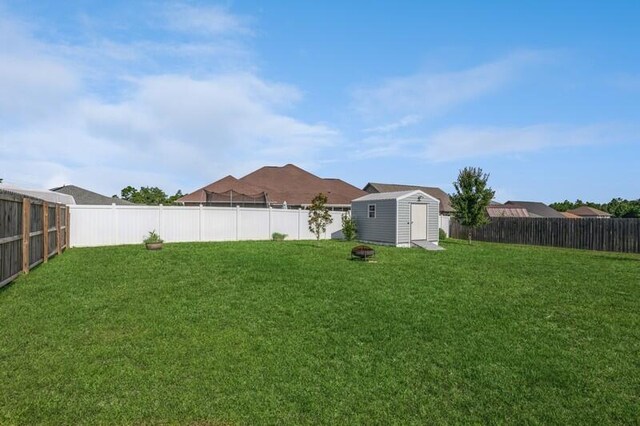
(277, 236)
(349, 229)
(152, 238)
(442, 234)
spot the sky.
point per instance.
(542, 95)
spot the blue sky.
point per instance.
(545, 96)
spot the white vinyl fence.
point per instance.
(444, 222)
(112, 225)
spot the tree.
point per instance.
(349, 228)
(150, 195)
(319, 216)
(471, 198)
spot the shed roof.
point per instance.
(396, 195)
(443, 197)
(42, 194)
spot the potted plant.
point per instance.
(153, 241)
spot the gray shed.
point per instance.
(402, 218)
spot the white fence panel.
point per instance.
(92, 227)
(285, 222)
(180, 224)
(444, 222)
(254, 224)
(218, 224)
(133, 223)
(111, 225)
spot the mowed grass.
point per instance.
(294, 332)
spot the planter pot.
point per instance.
(154, 246)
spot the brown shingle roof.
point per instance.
(506, 211)
(586, 211)
(570, 215)
(287, 183)
(535, 208)
(445, 204)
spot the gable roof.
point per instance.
(288, 183)
(443, 197)
(506, 211)
(570, 215)
(586, 211)
(84, 196)
(396, 195)
(536, 209)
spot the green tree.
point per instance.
(150, 195)
(349, 228)
(319, 216)
(471, 198)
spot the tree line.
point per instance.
(617, 207)
(149, 195)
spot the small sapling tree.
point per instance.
(319, 216)
(349, 229)
(471, 198)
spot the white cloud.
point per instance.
(173, 129)
(429, 94)
(206, 20)
(470, 142)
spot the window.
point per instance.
(372, 211)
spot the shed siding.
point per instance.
(382, 228)
(404, 218)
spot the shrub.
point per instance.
(277, 236)
(152, 238)
(349, 229)
(442, 234)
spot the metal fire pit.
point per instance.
(362, 252)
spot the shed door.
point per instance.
(418, 222)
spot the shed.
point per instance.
(399, 218)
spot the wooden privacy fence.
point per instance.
(622, 235)
(31, 231)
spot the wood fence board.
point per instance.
(615, 234)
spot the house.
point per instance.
(288, 186)
(400, 218)
(500, 210)
(535, 209)
(443, 197)
(84, 196)
(589, 212)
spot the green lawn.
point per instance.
(281, 333)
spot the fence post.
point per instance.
(58, 230)
(45, 234)
(237, 223)
(299, 221)
(160, 220)
(269, 235)
(67, 232)
(26, 227)
(114, 220)
(200, 223)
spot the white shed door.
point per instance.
(418, 222)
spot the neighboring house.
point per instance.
(443, 197)
(84, 196)
(397, 218)
(42, 194)
(535, 209)
(288, 186)
(568, 215)
(496, 211)
(589, 212)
